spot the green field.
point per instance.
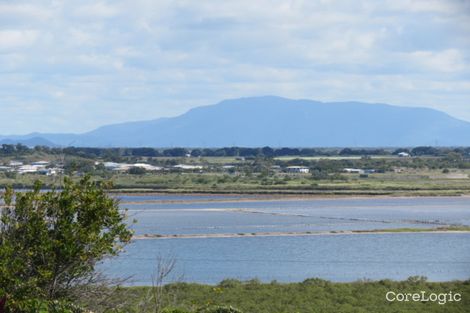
(417, 183)
(414, 183)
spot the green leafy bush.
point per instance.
(42, 306)
(51, 241)
(218, 309)
(174, 310)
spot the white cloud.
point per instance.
(97, 10)
(12, 39)
(24, 11)
(447, 61)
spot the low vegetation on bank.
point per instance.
(309, 296)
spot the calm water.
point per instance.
(228, 216)
(440, 257)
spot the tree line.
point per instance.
(110, 153)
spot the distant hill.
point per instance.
(275, 121)
(30, 142)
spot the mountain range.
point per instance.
(274, 121)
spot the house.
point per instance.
(111, 165)
(122, 167)
(147, 167)
(354, 171)
(40, 163)
(119, 167)
(297, 169)
(24, 169)
(188, 167)
(50, 171)
(15, 163)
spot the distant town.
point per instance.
(350, 171)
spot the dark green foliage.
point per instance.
(204, 309)
(116, 154)
(174, 310)
(175, 152)
(349, 151)
(425, 151)
(51, 241)
(137, 171)
(11, 175)
(218, 309)
(42, 306)
(79, 165)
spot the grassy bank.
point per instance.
(376, 184)
(312, 295)
(422, 183)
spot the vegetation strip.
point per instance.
(313, 295)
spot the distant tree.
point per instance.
(346, 151)
(419, 151)
(147, 152)
(207, 152)
(220, 152)
(267, 151)
(7, 149)
(308, 152)
(400, 150)
(175, 152)
(79, 165)
(287, 152)
(196, 152)
(137, 170)
(231, 151)
(454, 157)
(43, 149)
(21, 149)
(250, 152)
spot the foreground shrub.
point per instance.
(41, 306)
(174, 310)
(218, 309)
(51, 241)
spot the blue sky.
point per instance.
(70, 66)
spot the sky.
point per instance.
(71, 66)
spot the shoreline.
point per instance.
(254, 195)
(298, 234)
(274, 197)
(333, 193)
(262, 197)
